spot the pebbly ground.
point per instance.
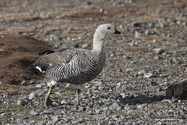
(142, 62)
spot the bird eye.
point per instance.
(108, 27)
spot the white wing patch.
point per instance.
(37, 67)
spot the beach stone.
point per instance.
(33, 112)
(21, 102)
(138, 34)
(32, 95)
(86, 45)
(130, 112)
(157, 57)
(158, 50)
(142, 72)
(55, 118)
(40, 92)
(174, 90)
(24, 83)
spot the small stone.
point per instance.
(88, 3)
(179, 101)
(33, 113)
(46, 112)
(121, 26)
(86, 45)
(158, 50)
(55, 118)
(32, 95)
(101, 10)
(147, 32)
(137, 24)
(130, 69)
(119, 108)
(76, 46)
(67, 120)
(105, 108)
(184, 24)
(40, 92)
(68, 85)
(154, 40)
(170, 111)
(99, 111)
(3, 114)
(63, 112)
(142, 72)
(118, 85)
(115, 104)
(75, 122)
(101, 87)
(32, 82)
(130, 112)
(182, 120)
(89, 114)
(24, 83)
(178, 22)
(81, 109)
(138, 34)
(151, 25)
(153, 84)
(157, 57)
(64, 102)
(167, 100)
(21, 102)
(129, 87)
(1, 83)
(7, 107)
(1, 111)
(148, 75)
(141, 106)
(163, 75)
(38, 86)
(19, 121)
(132, 44)
(127, 57)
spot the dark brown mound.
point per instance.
(17, 52)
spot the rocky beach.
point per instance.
(147, 57)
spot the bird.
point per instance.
(74, 65)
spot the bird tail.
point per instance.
(39, 66)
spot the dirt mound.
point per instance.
(17, 52)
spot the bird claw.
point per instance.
(48, 102)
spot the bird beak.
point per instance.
(117, 32)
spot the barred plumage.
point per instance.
(81, 67)
(76, 66)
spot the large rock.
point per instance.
(177, 89)
(174, 90)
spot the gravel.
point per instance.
(149, 56)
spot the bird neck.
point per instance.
(99, 46)
(99, 42)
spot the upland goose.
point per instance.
(75, 66)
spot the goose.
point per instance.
(75, 66)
